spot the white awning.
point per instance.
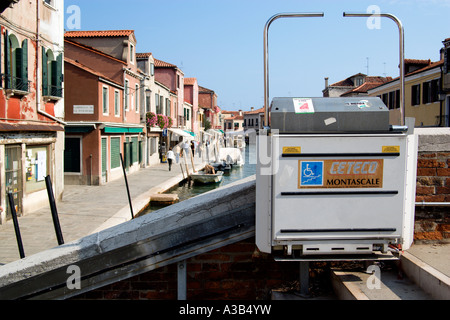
(181, 133)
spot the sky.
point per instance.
(220, 42)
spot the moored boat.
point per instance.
(205, 178)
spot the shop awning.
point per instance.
(123, 130)
(181, 133)
(191, 133)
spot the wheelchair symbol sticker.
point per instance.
(311, 173)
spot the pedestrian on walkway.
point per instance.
(170, 158)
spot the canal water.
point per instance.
(188, 190)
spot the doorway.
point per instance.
(13, 178)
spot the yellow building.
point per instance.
(422, 94)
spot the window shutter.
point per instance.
(115, 153)
(7, 61)
(134, 150)
(44, 73)
(24, 69)
(104, 155)
(59, 74)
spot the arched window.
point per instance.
(16, 63)
(52, 76)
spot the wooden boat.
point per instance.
(205, 178)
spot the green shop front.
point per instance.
(93, 152)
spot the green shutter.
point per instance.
(7, 61)
(115, 153)
(134, 149)
(104, 155)
(44, 73)
(24, 67)
(141, 152)
(59, 74)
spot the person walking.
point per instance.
(170, 158)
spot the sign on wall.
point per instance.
(83, 109)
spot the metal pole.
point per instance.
(266, 55)
(16, 225)
(55, 218)
(126, 183)
(402, 54)
(304, 278)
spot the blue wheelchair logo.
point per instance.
(311, 174)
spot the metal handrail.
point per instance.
(402, 54)
(266, 55)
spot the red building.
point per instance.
(31, 103)
(102, 108)
(207, 99)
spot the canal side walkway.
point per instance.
(88, 209)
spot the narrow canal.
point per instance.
(188, 190)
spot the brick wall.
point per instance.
(235, 272)
(433, 185)
(432, 224)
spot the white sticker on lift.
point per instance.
(303, 105)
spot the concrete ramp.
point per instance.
(183, 230)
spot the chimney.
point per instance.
(240, 112)
(326, 82)
(252, 109)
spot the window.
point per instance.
(158, 110)
(116, 103)
(52, 76)
(147, 102)
(435, 90)
(136, 101)
(105, 101)
(152, 69)
(391, 104)
(178, 81)
(161, 104)
(131, 53)
(447, 60)
(385, 99)
(415, 95)
(426, 96)
(127, 90)
(50, 2)
(36, 164)
(16, 64)
(167, 107)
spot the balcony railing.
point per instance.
(52, 91)
(16, 83)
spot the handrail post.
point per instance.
(16, 225)
(402, 55)
(266, 55)
(126, 184)
(54, 211)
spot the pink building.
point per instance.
(173, 78)
(191, 97)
